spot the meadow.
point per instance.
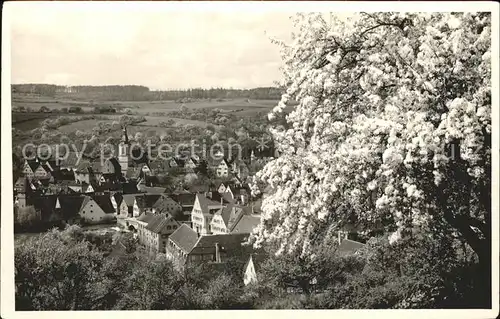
(151, 110)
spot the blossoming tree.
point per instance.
(392, 131)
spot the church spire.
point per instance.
(124, 135)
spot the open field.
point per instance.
(139, 106)
(156, 120)
(241, 108)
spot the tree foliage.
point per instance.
(392, 131)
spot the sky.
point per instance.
(161, 49)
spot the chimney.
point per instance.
(217, 253)
(252, 210)
(339, 236)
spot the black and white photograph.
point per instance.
(250, 156)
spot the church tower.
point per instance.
(123, 151)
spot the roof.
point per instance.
(83, 166)
(257, 260)
(246, 224)
(129, 199)
(104, 201)
(145, 217)
(153, 190)
(229, 213)
(116, 165)
(159, 223)
(96, 166)
(64, 175)
(350, 246)
(70, 205)
(147, 201)
(184, 237)
(33, 164)
(71, 160)
(130, 188)
(227, 242)
(45, 204)
(184, 199)
(205, 203)
(133, 172)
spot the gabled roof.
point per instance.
(63, 175)
(70, 205)
(116, 165)
(83, 166)
(227, 213)
(118, 198)
(46, 204)
(146, 201)
(246, 224)
(206, 203)
(130, 188)
(227, 242)
(153, 190)
(159, 223)
(257, 260)
(145, 217)
(184, 237)
(33, 164)
(217, 162)
(349, 246)
(184, 199)
(129, 199)
(104, 201)
(133, 172)
(70, 160)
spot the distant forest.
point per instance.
(142, 93)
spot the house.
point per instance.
(152, 189)
(224, 219)
(240, 169)
(204, 209)
(29, 168)
(146, 202)
(191, 163)
(252, 267)
(82, 172)
(238, 193)
(244, 224)
(63, 175)
(157, 231)
(128, 206)
(97, 209)
(116, 200)
(142, 222)
(158, 166)
(190, 173)
(165, 204)
(129, 188)
(111, 166)
(185, 247)
(20, 186)
(347, 246)
(42, 172)
(69, 206)
(185, 200)
(221, 168)
(176, 162)
(70, 161)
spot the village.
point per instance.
(207, 224)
